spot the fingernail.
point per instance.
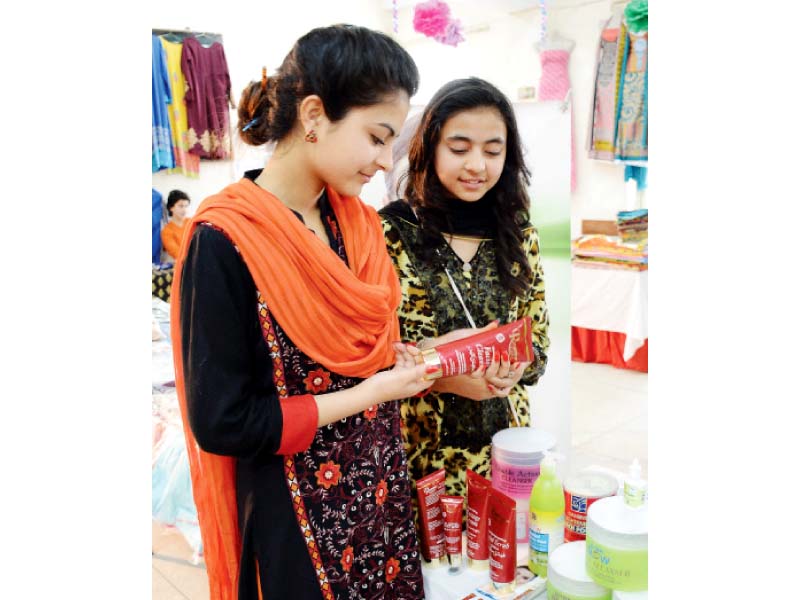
(491, 387)
(505, 356)
(412, 344)
(515, 366)
(431, 369)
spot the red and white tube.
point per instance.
(502, 541)
(429, 490)
(471, 353)
(453, 511)
(477, 513)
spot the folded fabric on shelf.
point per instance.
(609, 251)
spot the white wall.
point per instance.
(600, 190)
(255, 34)
(498, 47)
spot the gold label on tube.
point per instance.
(431, 359)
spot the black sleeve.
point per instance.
(232, 403)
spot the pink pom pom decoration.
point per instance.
(432, 19)
(452, 35)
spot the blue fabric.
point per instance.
(172, 499)
(637, 173)
(156, 227)
(632, 214)
(163, 157)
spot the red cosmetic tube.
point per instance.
(429, 490)
(471, 353)
(453, 509)
(477, 531)
(502, 541)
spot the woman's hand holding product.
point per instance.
(502, 376)
(403, 380)
(494, 381)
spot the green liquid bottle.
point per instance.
(547, 517)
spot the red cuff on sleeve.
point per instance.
(300, 416)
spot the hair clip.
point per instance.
(264, 78)
(250, 124)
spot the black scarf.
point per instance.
(474, 219)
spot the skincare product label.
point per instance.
(624, 570)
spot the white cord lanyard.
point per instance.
(457, 292)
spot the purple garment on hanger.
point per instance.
(208, 86)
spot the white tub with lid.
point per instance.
(516, 454)
(567, 578)
(616, 545)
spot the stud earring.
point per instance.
(311, 136)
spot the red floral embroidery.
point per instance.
(392, 569)
(328, 474)
(380, 492)
(371, 412)
(317, 381)
(347, 559)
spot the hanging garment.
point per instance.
(162, 137)
(607, 72)
(185, 163)
(631, 138)
(554, 85)
(207, 93)
(156, 227)
(638, 174)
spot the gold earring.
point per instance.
(311, 136)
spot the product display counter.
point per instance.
(440, 584)
(609, 317)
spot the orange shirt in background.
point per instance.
(171, 237)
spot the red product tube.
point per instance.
(502, 541)
(429, 490)
(477, 531)
(453, 509)
(471, 353)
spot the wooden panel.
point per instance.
(601, 227)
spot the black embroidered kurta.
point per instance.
(351, 488)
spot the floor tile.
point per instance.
(599, 408)
(163, 589)
(190, 580)
(600, 373)
(609, 417)
(170, 542)
(620, 444)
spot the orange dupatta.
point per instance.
(311, 292)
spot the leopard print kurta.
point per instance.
(443, 430)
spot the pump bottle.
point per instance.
(547, 516)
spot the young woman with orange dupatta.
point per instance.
(287, 353)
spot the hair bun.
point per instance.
(253, 111)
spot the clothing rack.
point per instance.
(184, 33)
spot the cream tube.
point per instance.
(477, 532)
(453, 509)
(429, 489)
(471, 353)
(502, 541)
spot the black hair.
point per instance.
(174, 197)
(431, 200)
(345, 65)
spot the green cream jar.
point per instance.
(616, 545)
